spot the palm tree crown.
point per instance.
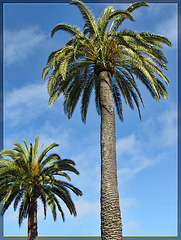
(101, 46)
(27, 176)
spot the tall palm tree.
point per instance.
(108, 60)
(27, 176)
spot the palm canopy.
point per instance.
(26, 175)
(103, 46)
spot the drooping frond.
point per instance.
(117, 100)
(136, 5)
(118, 21)
(17, 200)
(44, 202)
(155, 39)
(65, 27)
(86, 96)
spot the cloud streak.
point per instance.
(26, 103)
(169, 28)
(145, 147)
(19, 44)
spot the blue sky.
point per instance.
(146, 150)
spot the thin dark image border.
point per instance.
(178, 113)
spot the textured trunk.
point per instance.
(32, 220)
(111, 225)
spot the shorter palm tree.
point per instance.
(27, 176)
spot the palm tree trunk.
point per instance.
(111, 225)
(32, 220)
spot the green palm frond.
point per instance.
(65, 27)
(130, 9)
(35, 149)
(47, 149)
(5, 203)
(119, 16)
(44, 202)
(90, 23)
(64, 195)
(69, 186)
(23, 209)
(7, 162)
(17, 199)
(86, 96)
(117, 100)
(149, 37)
(21, 151)
(103, 20)
(50, 158)
(136, 5)
(97, 94)
(60, 209)
(107, 15)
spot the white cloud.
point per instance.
(86, 208)
(136, 165)
(26, 103)
(169, 28)
(133, 147)
(168, 120)
(145, 147)
(131, 228)
(26, 95)
(21, 43)
(126, 145)
(128, 202)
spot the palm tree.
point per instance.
(27, 176)
(108, 60)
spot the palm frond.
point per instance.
(35, 148)
(87, 16)
(21, 150)
(44, 202)
(137, 5)
(47, 149)
(64, 195)
(117, 100)
(155, 37)
(17, 200)
(86, 96)
(65, 27)
(129, 10)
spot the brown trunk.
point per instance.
(111, 225)
(32, 220)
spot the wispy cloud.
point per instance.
(21, 42)
(168, 120)
(26, 103)
(133, 158)
(145, 147)
(85, 208)
(131, 228)
(169, 28)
